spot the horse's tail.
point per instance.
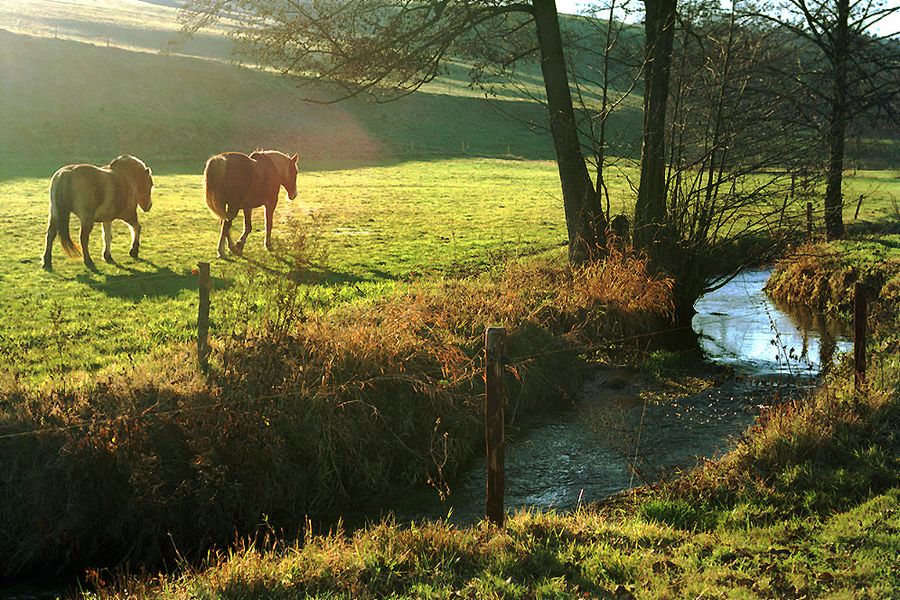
(215, 185)
(60, 209)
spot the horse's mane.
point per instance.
(127, 159)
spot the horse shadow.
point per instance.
(132, 284)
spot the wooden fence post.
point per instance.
(859, 334)
(809, 224)
(494, 399)
(203, 316)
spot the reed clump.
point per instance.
(303, 413)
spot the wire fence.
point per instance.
(436, 375)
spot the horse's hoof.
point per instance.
(133, 253)
(107, 256)
(47, 265)
(221, 254)
(90, 265)
(268, 246)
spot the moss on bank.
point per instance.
(821, 277)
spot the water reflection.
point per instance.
(739, 325)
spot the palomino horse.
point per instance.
(97, 194)
(235, 181)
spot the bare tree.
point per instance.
(606, 63)
(650, 208)
(852, 71)
(736, 165)
(384, 49)
(721, 167)
(605, 58)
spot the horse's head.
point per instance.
(139, 176)
(144, 199)
(287, 169)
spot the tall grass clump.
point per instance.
(304, 412)
(821, 277)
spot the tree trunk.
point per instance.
(650, 209)
(834, 199)
(584, 217)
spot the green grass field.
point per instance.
(370, 227)
(373, 226)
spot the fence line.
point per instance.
(431, 374)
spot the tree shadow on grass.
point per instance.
(136, 285)
(887, 243)
(324, 275)
(316, 274)
(881, 226)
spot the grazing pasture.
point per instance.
(375, 227)
(440, 182)
(368, 229)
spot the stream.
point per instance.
(624, 432)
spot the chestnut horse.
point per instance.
(97, 194)
(235, 181)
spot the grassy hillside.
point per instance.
(154, 26)
(130, 24)
(178, 108)
(177, 111)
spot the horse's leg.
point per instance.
(52, 230)
(231, 212)
(107, 242)
(220, 250)
(135, 235)
(270, 215)
(87, 224)
(248, 227)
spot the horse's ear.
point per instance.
(149, 172)
(294, 158)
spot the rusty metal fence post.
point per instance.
(859, 334)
